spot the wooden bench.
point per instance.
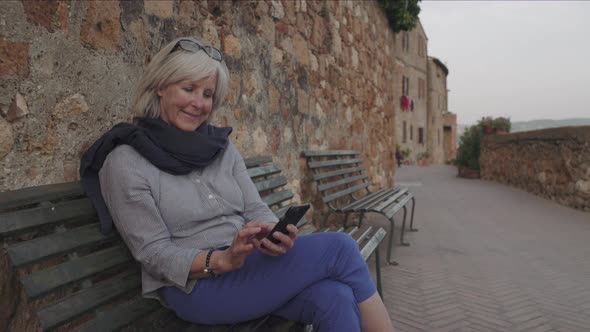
(75, 278)
(344, 185)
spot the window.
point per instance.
(421, 88)
(405, 41)
(421, 135)
(405, 86)
(421, 47)
(411, 132)
(404, 133)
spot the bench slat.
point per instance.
(86, 300)
(257, 161)
(277, 197)
(373, 243)
(364, 235)
(271, 183)
(398, 205)
(380, 206)
(21, 220)
(26, 196)
(41, 282)
(337, 162)
(120, 316)
(331, 197)
(325, 175)
(263, 171)
(346, 180)
(365, 200)
(353, 231)
(34, 250)
(311, 153)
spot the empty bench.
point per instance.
(75, 278)
(344, 185)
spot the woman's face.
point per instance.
(187, 104)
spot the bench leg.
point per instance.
(401, 239)
(390, 243)
(412, 229)
(378, 272)
(361, 217)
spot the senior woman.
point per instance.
(178, 192)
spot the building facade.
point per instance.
(437, 105)
(421, 126)
(411, 110)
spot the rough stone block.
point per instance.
(14, 58)
(50, 14)
(18, 108)
(232, 46)
(277, 11)
(161, 8)
(300, 49)
(70, 107)
(101, 28)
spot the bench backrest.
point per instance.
(69, 270)
(339, 175)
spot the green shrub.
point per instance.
(502, 123)
(469, 150)
(423, 155)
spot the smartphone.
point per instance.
(292, 216)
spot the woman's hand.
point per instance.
(233, 257)
(286, 240)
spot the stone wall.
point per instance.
(553, 163)
(304, 75)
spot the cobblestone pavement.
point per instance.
(487, 257)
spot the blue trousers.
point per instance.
(320, 281)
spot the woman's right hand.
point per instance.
(233, 257)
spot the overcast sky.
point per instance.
(527, 60)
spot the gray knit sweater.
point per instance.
(166, 220)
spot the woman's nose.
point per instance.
(197, 101)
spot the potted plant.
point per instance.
(467, 160)
(502, 125)
(423, 158)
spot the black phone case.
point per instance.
(292, 216)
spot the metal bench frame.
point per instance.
(341, 179)
(89, 282)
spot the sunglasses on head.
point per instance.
(193, 46)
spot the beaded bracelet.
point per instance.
(207, 267)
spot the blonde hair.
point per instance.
(167, 68)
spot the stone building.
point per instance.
(437, 106)
(422, 98)
(411, 57)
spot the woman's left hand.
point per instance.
(286, 240)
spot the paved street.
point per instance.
(487, 257)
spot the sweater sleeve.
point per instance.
(127, 184)
(254, 208)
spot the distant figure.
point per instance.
(399, 158)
